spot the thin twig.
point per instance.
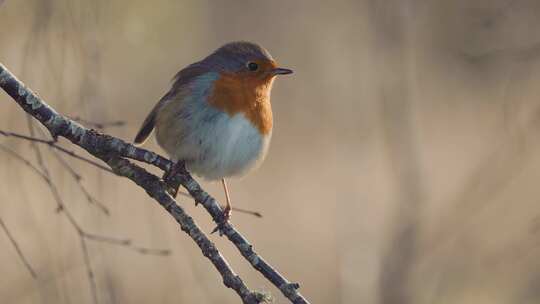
(76, 176)
(54, 144)
(91, 199)
(126, 243)
(24, 160)
(89, 270)
(240, 210)
(254, 213)
(18, 250)
(78, 179)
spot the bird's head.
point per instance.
(246, 61)
(246, 73)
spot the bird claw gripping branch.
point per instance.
(172, 178)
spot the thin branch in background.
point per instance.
(55, 145)
(35, 147)
(127, 243)
(23, 160)
(18, 249)
(67, 166)
(78, 180)
(254, 213)
(89, 270)
(239, 210)
(98, 125)
(91, 199)
(83, 235)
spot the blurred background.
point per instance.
(403, 167)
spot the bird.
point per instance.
(217, 116)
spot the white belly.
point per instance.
(214, 144)
(230, 148)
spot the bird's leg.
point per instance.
(228, 208)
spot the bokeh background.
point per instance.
(404, 166)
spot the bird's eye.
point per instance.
(252, 66)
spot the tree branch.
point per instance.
(98, 125)
(115, 152)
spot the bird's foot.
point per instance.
(173, 183)
(226, 215)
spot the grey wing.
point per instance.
(182, 78)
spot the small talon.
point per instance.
(224, 220)
(168, 178)
(218, 227)
(171, 189)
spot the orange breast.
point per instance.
(237, 93)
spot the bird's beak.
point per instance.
(281, 71)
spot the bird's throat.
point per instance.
(250, 96)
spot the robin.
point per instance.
(217, 116)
